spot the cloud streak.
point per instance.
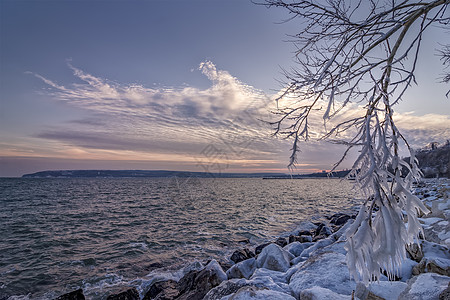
(135, 120)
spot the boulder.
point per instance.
(296, 248)
(414, 252)
(255, 293)
(320, 293)
(217, 269)
(162, 290)
(340, 219)
(74, 295)
(281, 242)
(427, 265)
(203, 282)
(425, 286)
(277, 277)
(231, 286)
(243, 269)
(445, 294)
(241, 254)
(304, 232)
(389, 290)
(275, 258)
(305, 239)
(327, 270)
(130, 294)
(259, 248)
(320, 244)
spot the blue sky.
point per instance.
(162, 85)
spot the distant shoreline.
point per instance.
(169, 174)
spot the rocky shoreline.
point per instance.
(311, 264)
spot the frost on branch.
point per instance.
(376, 240)
(361, 53)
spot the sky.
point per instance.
(173, 85)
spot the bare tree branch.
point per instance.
(362, 52)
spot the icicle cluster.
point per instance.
(376, 240)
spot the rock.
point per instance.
(75, 295)
(229, 287)
(243, 269)
(241, 254)
(320, 244)
(414, 252)
(320, 293)
(319, 237)
(305, 239)
(425, 286)
(225, 288)
(255, 293)
(277, 277)
(162, 290)
(340, 219)
(327, 270)
(203, 282)
(259, 248)
(304, 232)
(325, 231)
(186, 282)
(389, 290)
(319, 228)
(275, 258)
(296, 248)
(217, 269)
(445, 295)
(281, 242)
(130, 294)
(438, 265)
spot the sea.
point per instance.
(103, 234)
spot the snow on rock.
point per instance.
(217, 269)
(296, 248)
(243, 269)
(319, 244)
(233, 285)
(437, 265)
(278, 277)
(337, 247)
(426, 286)
(275, 258)
(389, 290)
(319, 293)
(254, 293)
(433, 250)
(406, 269)
(327, 270)
(304, 226)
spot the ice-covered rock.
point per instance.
(254, 293)
(278, 277)
(327, 270)
(241, 254)
(244, 269)
(388, 290)
(275, 258)
(320, 293)
(427, 286)
(217, 270)
(317, 245)
(233, 285)
(428, 265)
(296, 248)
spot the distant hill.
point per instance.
(139, 173)
(434, 160)
(165, 173)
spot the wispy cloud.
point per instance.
(175, 122)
